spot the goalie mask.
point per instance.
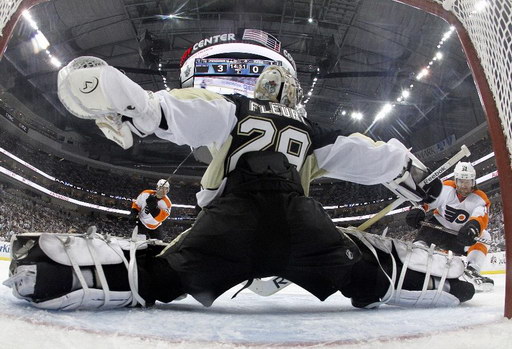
(465, 178)
(278, 85)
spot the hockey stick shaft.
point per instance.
(454, 232)
(463, 152)
(178, 167)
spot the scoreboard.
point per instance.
(231, 67)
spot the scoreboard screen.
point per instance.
(230, 67)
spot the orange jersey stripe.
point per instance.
(162, 216)
(478, 246)
(483, 220)
(483, 196)
(167, 201)
(152, 226)
(450, 183)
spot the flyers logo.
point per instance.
(453, 215)
(89, 86)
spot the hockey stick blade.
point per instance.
(267, 288)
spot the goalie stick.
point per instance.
(464, 151)
(269, 287)
(454, 232)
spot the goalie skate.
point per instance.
(481, 283)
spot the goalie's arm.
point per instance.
(192, 116)
(361, 160)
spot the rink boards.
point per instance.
(495, 263)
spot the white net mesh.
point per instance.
(489, 25)
(7, 9)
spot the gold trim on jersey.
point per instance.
(310, 171)
(215, 172)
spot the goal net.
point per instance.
(10, 12)
(484, 28)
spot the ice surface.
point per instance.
(290, 318)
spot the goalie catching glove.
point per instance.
(91, 89)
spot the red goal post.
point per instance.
(486, 37)
(10, 12)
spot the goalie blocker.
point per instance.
(89, 271)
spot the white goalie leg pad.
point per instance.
(424, 299)
(435, 265)
(87, 299)
(79, 251)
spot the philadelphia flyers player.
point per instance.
(150, 209)
(257, 219)
(463, 208)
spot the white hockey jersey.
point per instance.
(453, 212)
(149, 221)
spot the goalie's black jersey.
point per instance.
(269, 126)
(235, 125)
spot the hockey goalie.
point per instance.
(257, 219)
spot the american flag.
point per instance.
(263, 38)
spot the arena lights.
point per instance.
(39, 41)
(423, 73)
(356, 115)
(386, 109)
(81, 203)
(310, 93)
(164, 79)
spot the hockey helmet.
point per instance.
(464, 170)
(278, 85)
(465, 178)
(163, 183)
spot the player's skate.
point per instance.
(481, 283)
